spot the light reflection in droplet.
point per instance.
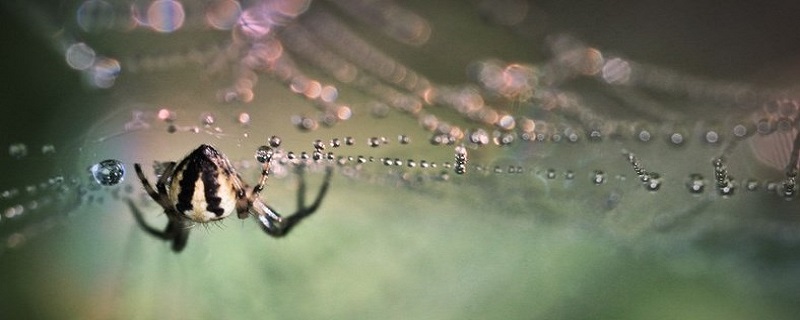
(108, 172)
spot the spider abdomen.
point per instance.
(203, 186)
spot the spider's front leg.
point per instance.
(275, 225)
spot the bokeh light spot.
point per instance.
(165, 15)
(80, 56)
(223, 14)
(95, 15)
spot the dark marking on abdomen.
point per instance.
(188, 168)
(211, 184)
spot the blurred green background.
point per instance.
(480, 246)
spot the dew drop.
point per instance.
(207, 118)
(654, 183)
(13, 211)
(751, 185)
(644, 136)
(403, 139)
(676, 138)
(18, 150)
(244, 118)
(274, 141)
(696, 184)
(712, 137)
(599, 177)
(727, 189)
(305, 123)
(771, 186)
(264, 154)
(319, 145)
(740, 131)
(595, 135)
(506, 139)
(479, 137)
(572, 137)
(48, 149)
(374, 142)
(108, 172)
(166, 115)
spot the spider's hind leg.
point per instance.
(303, 210)
(176, 231)
(275, 225)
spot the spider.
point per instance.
(205, 187)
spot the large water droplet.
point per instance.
(264, 154)
(108, 172)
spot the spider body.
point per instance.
(205, 187)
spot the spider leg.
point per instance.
(275, 225)
(252, 200)
(161, 185)
(147, 187)
(261, 182)
(176, 231)
(302, 209)
(161, 197)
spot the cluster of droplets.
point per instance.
(650, 180)
(36, 208)
(460, 166)
(790, 185)
(19, 150)
(724, 182)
